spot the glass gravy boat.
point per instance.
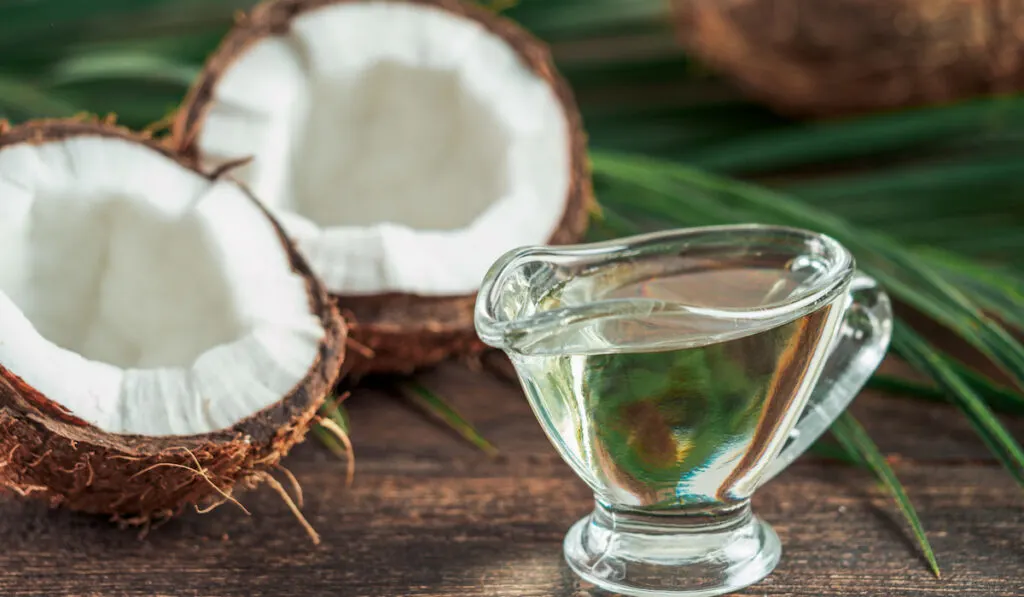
(675, 373)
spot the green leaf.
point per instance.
(624, 71)
(816, 143)
(993, 392)
(683, 195)
(439, 407)
(998, 290)
(945, 178)
(852, 436)
(26, 100)
(998, 398)
(120, 64)
(609, 223)
(924, 288)
(922, 356)
(582, 18)
(40, 15)
(337, 413)
(60, 23)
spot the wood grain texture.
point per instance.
(430, 516)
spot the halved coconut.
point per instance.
(404, 145)
(161, 342)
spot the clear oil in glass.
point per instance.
(678, 409)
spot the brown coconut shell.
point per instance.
(49, 453)
(396, 332)
(830, 57)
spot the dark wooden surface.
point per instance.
(430, 516)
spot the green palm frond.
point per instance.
(437, 406)
(929, 360)
(856, 441)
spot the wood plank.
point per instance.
(429, 516)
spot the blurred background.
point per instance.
(893, 125)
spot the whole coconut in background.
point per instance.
(830, 57)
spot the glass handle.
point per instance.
(855, 354)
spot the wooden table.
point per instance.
(429, 515)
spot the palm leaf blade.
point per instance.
(999, 440)
(852, 436)
(439, 407)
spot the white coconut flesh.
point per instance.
(405, 148)
(141, 296)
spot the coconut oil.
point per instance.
(677, 412)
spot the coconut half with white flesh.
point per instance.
(404, 145)
(161, 341)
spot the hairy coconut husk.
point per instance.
(823, 58)
(47, 452)
(400, 332)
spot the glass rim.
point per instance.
(497, 331)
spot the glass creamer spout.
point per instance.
(510, 310)
(656, 291)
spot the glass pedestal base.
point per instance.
(672, 555)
